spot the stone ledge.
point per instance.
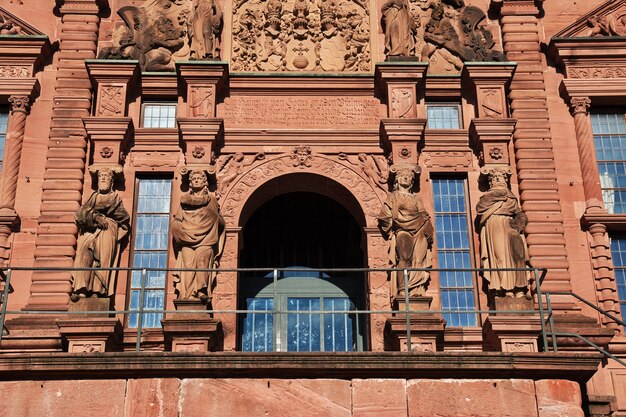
(571, 366)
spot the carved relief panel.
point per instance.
(301, 35)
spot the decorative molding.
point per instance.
(580, 105)
(15, 71)
(596, 72)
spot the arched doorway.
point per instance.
(302, 230)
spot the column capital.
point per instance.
(81, 6)
(517, 7)
(19, 103)
(580, 105)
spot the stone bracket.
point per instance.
(88, 335)
(201, 138)
(112, 80)
(492, 137)
(192, 334)
(401, 86)
(401, 137)
(511, 333)
(489, 81)
(108, 138)
(205, 83)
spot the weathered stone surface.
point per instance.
(557, 398)
(264, 397)
(63, 398)
(152, 397)
(379, 397)
(514, 397)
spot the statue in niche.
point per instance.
(198, 233)
(399, 27)
(502, 242)
(102, 223)
(205, 29)
(407, 225)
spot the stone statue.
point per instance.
(502, 242)
(205, 29)
(398, 25)
(102, 223)
(408, 227)
(198, 232)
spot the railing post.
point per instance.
(5, 302)
(541, 313)
(140, 318)
(551, 319)
(275, 310)
(407, 307)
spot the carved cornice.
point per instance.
(612, 222)
(80, 6)
(517, 7)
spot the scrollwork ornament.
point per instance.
(580, 105)
(19, 103)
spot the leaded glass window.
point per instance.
(443, 116)
(4, 122)
(618, 251)
(297, 330)
(453, 247)
(160, 115)
(150, 248)
(609, 136)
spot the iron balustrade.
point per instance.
(538, 276)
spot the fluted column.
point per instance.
(586, 152)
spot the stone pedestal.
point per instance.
(193, 331)
(108, 136)
(426, 329)
(88, 335)
(96, 305)
(509, 331)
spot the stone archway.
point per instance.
(368, 198)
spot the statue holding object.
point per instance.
(102, 223)
(502, 241)
(198, 233)
(405, 221)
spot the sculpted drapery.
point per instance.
(198, 233)
(102, 222)
(410, 232)
(398, 24)
(502, 243)
(206, 23)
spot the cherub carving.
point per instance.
(232, 166)
(375, 168)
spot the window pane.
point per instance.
(258, 328)
(303, 330)
(4, 121)
(609, 135)
(618, 251)
(441, 116)
(452, 235)
(161, 115)
(150, 248)
(339, 328)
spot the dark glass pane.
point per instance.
(303, 330)
(258, 328)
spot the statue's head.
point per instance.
(105, 180)
(198, 181)
(404, 176)
(498, 177)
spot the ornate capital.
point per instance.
(580, 105)
(19, 103)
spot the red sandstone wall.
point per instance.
(170, 397)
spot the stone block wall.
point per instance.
(196, 397)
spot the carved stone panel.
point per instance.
(111, 100)
(300, 35)
(300, 112)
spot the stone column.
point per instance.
(539, 190)
(65, 158)
(10, 171)
(586, 153)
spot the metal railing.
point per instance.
(537, 276)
